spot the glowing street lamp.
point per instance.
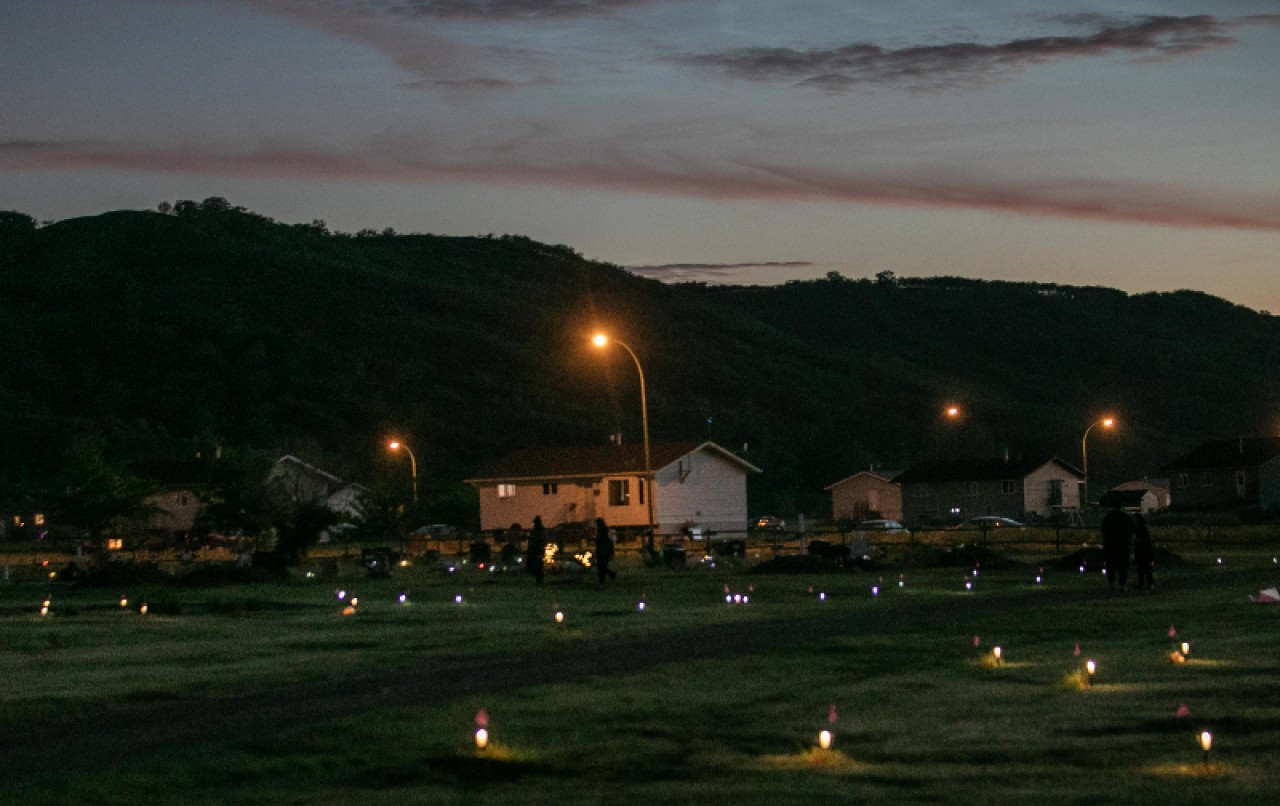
(602, 340)
(1105, 422)
(396, 445)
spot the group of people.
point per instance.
(1125, 536)
(601, 555)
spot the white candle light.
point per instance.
(824, 740)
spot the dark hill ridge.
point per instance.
(166, 333)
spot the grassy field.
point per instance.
(691, 699)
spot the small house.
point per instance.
(697, 488)
(1240, 473)
(868, 494)
(952, 491)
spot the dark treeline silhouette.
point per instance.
(157, 336)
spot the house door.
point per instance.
(1242, 485)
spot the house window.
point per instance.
(550, 488)
(1206, 480)
(619, 492)
(39, 518)
(1055, 492)
(506, 490)
(115, 543)
(1008, 486)
(640, 485)
(1184, 481)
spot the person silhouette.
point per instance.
(604, 551)
(537, 549)
(1117, 542)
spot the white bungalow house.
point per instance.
(697, 487)
(303, 482)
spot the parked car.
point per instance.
(986, 522)
(880, 525)
(768, 523)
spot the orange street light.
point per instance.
(602, 340)
(396, 445)
(1105, 422)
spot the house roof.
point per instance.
(883, 475)
(1124, 499)
(979, 470)
(595, 461)
(1220, 453)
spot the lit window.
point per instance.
(506, 490)
(115, 543)
(619, 492)
(550, 488)
(39, 519)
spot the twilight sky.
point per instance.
(1128, 144)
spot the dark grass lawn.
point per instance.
(691, 700)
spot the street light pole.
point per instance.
(396, 445)
(602, 340)
(1105, 422)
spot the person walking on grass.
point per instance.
(1144, 553)
(604, 552)
(1117, 543)
(537, 549)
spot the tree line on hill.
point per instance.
(140, 340)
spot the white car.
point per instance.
(881, 525)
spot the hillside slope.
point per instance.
(162, 334)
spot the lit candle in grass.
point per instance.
(1091, 668)
(824, 740)
(1206, 741)
(482, 738)
(1186, 648)
(559, 617)
(143, 609)
(124, 601)
(998, 654)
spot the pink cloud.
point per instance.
(1094, 200)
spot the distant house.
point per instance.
(1227, 474)
(697, 487)
(173, 511)
(868, 494)
(1013, 488)
(1131, 500)
(1152, 496)
(302, 482)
